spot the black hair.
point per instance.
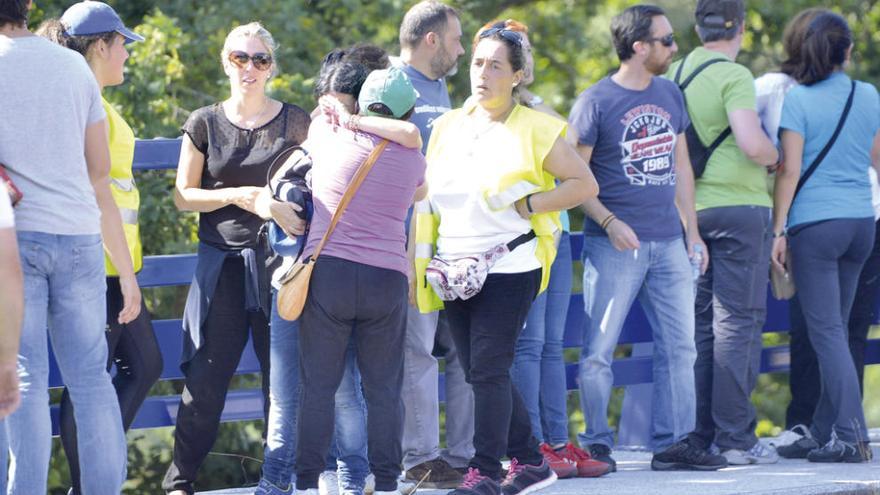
(631, 25)
(824, 51)
(13, 12)
(54, 31)
(370, 56)
(515, 53)
(423, 18)
(341, 77)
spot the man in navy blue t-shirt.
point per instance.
(630, 128)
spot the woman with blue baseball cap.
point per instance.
(94, 30)
(54, 146)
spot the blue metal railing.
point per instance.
(246, 404)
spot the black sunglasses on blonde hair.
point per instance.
(262, 61)
(511, 36)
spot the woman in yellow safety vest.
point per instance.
(96, 31)
(492, 166)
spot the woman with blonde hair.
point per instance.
(226, 152)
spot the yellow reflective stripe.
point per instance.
(123, 184)
(129, 216)
(506, 197)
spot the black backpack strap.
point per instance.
(696, 71)
(680, 68)
(827, 148)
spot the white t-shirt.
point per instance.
(49, 98)
(770, 90)
(456, 184)
(7, 219)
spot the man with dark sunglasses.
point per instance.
(733, 208)
(630, 128)
(430, 45)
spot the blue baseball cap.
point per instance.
(92, 17)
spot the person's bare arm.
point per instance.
(399, 131)
(12, 308)
(97, 154)
(620, 234)
(684, 199)
(189, 196)
(783, 192)
(750, 137)
(576, 182)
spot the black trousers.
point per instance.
(349, 300)
(209, 372)
(135, 351)
(804, 375)
(827, 258)
(485, 329)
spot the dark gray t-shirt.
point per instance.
(633, 135)
(236, 157)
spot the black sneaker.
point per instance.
(442, 475)
(687, 457)
(602, 452)
(475, 483)
(837, 450)
(525, 478)
(799, 449)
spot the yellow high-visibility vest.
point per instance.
(125, 193)
(536, 133)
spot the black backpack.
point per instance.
(697, 151)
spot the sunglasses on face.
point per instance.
(262, 61)
(666, 41)
(511, 36)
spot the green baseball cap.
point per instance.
(387, 90)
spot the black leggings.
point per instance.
(134, 350)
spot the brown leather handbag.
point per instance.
(295, 283)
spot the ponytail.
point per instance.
(824, 51)
(54, 31)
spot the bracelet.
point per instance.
(354, 122)
(529, 204)
(605, 223)
(777, 235)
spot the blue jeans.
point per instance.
(350, 445)
(65, 290)
(538, 369)
(659, 274)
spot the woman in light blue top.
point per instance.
(830, 223)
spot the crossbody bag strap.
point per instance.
(353, 186)
(827, 148)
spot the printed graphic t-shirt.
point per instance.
(432, 102)
(633, 135)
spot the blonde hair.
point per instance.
(251, 30)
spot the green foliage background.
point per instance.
(177, 70)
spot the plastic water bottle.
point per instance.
(697, 261)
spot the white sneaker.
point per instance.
(762, 454)
(310, 491)
(789, 437)
(328, 483)
(758, 454)
(369, 484)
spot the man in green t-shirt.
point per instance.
(733, 212)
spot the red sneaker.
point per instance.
(587, 467)
(564, 468)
